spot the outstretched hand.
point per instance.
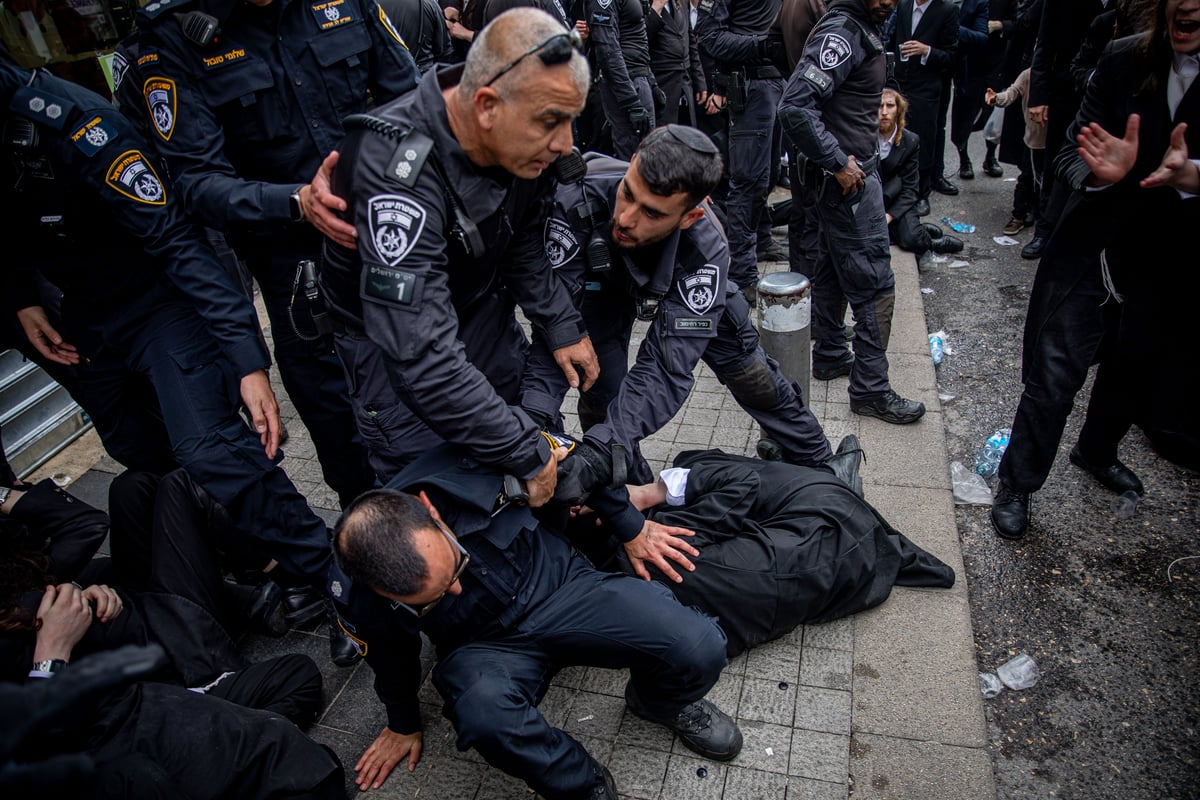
(384, 754)
(1108, 157)
(322, 206)
(1175, 170)
(658, 543)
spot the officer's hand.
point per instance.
(44, 338)
(715, 104)
(851, 177)
(388, 750)
(656, 543)
(321, 205)
(581, 355)
(540, 487)
(260, 401)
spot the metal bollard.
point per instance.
(785, 324)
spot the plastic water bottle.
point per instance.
(987, 461)
(937, 348)
(958, 227)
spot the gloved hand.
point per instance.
(660, 102)
(587, 468)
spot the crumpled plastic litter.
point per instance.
(989, 685)
(1007, 241)
(1019, 672)
(927, 290)
(939, 259)
(958, 262)
(969, 489)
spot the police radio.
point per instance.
(199, 28)
(570, 167)
(305, 283)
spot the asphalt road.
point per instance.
(1087, 595)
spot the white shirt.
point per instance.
(918, 12)
(1183, 72)
(885, 145)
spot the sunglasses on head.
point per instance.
(555, 50)
(694, 139)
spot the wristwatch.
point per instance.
(297, 208)
(50, 665)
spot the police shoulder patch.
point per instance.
(604, 3)
(386, 22)
(409, 157)
(835, 49)
(561, 243)
(816, 77)
(331, 14)
(699, 289)
(93, 136)
(396, 223)
(161, 99)
(119, 66)
(131, 175)
(40, 106)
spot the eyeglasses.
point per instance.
(460, 567)
(694, 139)
(555, 50)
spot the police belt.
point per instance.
(811, 172)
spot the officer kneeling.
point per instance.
(508, 602)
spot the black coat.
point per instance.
(782, 545)
(900, 176)
(938, 28)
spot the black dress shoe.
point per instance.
(946, 244)
(922, 207)
(1116, 477)
(701, 726)
(935, 231)
(889, 407)
(302, 604)
(838, 369)
(846, 461)
(1033, 250)
(266, 614)
(943, 186)
(1010, 512)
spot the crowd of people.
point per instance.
(395, 180)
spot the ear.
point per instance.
(689, 219)
(487, 104)
(425, 501)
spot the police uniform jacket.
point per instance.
(410, 281)
(98, 222)
(830, 108)
(687, 274)
(736, 33)
(514, 564)
(247, 119)
(617, 31)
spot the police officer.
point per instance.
(636, 241)
(507, 600)
(830, 112)
(627, 88)
(150, 317)
(448, 189)
(749, 78)
(246, 101)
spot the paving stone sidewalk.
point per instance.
(882, 705)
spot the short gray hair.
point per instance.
(504, 39)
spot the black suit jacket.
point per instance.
(938, 28)
(1064, 26)
(900, 175)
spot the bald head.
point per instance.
(507, 38)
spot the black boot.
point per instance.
(965, 170)
(991, 166)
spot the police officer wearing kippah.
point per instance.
(830, 113)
